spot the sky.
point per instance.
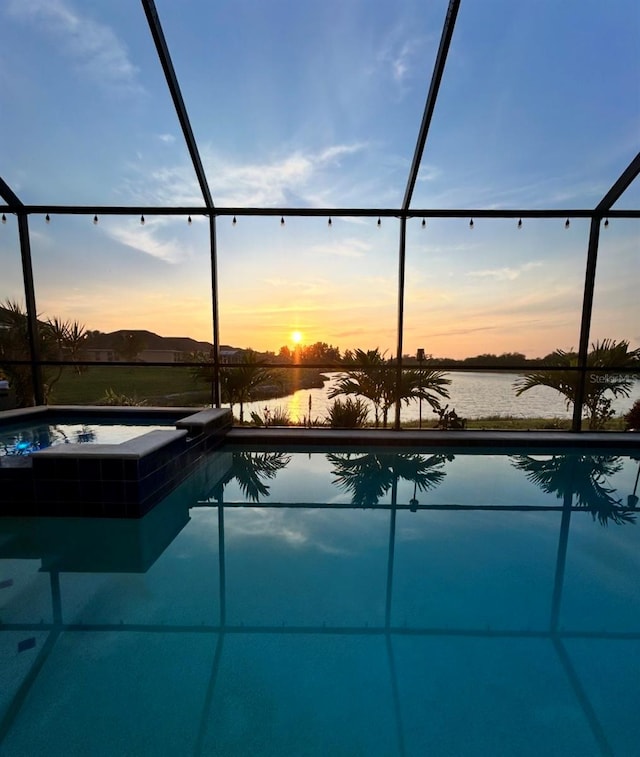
(318, 104)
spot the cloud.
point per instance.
(93, 46)
(273, 182)
(307, 288)
(166, 138)
(267, 310)
(261, 522)
(336, 151)
(535, 192)
(401, 62)
(147, 239)
(506, 273)
(347, 248)
(428, 172)
(398, 55)
(169, 185)
(293, 179)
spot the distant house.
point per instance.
(230, 354)
(141, 346)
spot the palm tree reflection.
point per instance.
(251, 470)
(582, 476)
(368, 477)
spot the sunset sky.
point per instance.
(318, 104)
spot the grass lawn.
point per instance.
(169, 386)
(157, 385)
(508, 423)
(161, 386)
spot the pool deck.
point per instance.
(485, 440)
(95, 411)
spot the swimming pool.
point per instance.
(369, 601)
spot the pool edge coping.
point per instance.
(432, 438)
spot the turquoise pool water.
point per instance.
(314, 603)
(25, 438)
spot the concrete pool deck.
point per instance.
(485, 440)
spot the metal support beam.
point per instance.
(199, 210)
(580, 694)
(436, 78)
(215, 387)
(391, 552)
(561, 559)
(8, 195)
(613, 195)
(32, 315)
(401, 276)
(585, 325)
(174, 88)
(222, 570)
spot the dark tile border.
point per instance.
(107, 480)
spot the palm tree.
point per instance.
(58, 340)
(582, 476)
(239, 385)
(374, 377)
(14, 345)
(370, 476)
(415, 384)
(62, 340)
(608, 355)
(366, 380)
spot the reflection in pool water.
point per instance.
(25, 439)
(33, 438)
(341, 603)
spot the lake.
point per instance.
(472, 395)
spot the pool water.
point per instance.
(350, 603)
(24, 439)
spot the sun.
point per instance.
(296, 337)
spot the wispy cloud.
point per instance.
(428, 172)
(299, 178)
(266, 523)
(506, 273)
(277, 181)
(150, 239)
(527, 191)
(93, 46)
(331, 154)
(303, 288)
(271, 310)
(347, 248)
(400, 54)
(169, 185)
(166, 138)
(401, 62)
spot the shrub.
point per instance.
(449, 419)
(122, 400)
(280, 417)
(632, 418)
(276, 417)
(350, 413)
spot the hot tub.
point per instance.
(125, 461)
